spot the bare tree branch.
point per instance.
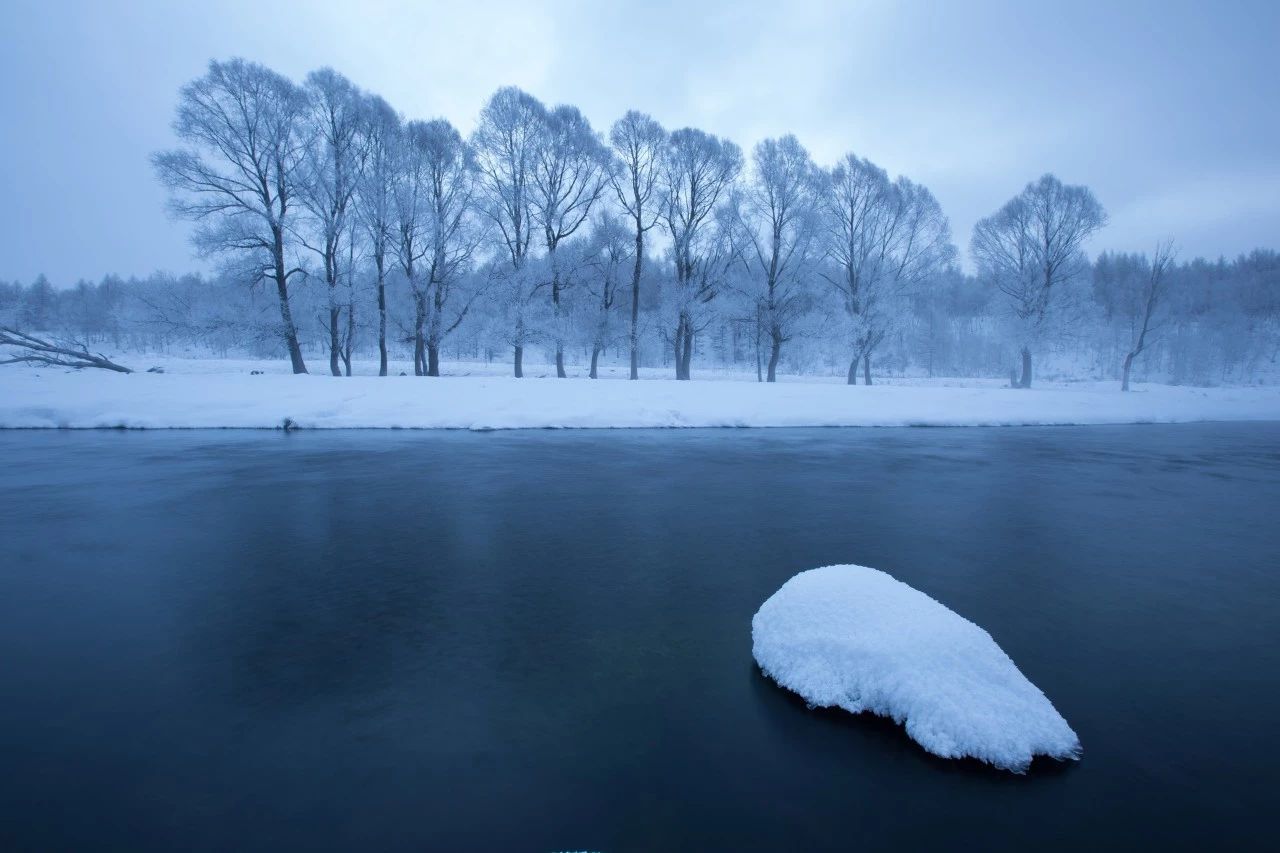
(55, 353)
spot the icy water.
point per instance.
(541, 640)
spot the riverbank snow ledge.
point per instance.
(55, 398)
(856, 638)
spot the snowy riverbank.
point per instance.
(200, 394)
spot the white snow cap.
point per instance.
(858, 639)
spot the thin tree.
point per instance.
(638, 144)
(606, 251)
(412, 191)
(1153, 293)
(376, 202)
(571, 170)
(697, 171)
(505, 143)
(246, 136)
(1032, 249)
(779, 216)
(452, 233)
(335, 161)
(354, 258)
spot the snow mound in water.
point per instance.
(856, 638)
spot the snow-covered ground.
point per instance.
(194, 393)
(856, 638)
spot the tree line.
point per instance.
(1217, 323)
(340, 227)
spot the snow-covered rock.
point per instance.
(856, 638)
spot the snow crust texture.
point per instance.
(858, 639)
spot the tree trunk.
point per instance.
(595, 359)
(419, 340)
(519, 362)
(335, 344)
(286, 316)
(382, 321)
(1025, 381)
(866, 368)
(1128, 363)
(678, 347)
(349, 346)
(687, 358)
(853, 368)
(759, 361)
(433, 359)
(775, 352)
(556, 310)
(635, 304)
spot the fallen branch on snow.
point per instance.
(55, 353)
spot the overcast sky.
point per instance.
(1168, 110)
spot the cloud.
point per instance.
(1240, 209)
(973, 99)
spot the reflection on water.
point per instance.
(542, 640)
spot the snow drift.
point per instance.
(856, 638)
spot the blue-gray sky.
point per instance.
(1166, 109)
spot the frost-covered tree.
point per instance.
(779, 217)
(570, 171)
(262, 170)
(605, 251)
(452, 234)
(375, 202)
(638, 146)
(246, 141)
(1032, 249)
(39, 306)
(1153, 293)
(338, 119)
(698, 170)
(882, 238)
(412, 188)
(506, 143)
(1133, 293)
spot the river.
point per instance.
(541, 640)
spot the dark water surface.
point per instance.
(541, 640)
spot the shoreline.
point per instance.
(53, 399)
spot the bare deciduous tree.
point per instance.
(452, 233)
(779, 217)
(605, 252)
(570, 172)
(1152, 294)
(412, 188)
(376, 202)
(1032, 249)
(697, 171)
(638, 143)
(506, 143)
(882, 238)
(245, 127)
(338, 118)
